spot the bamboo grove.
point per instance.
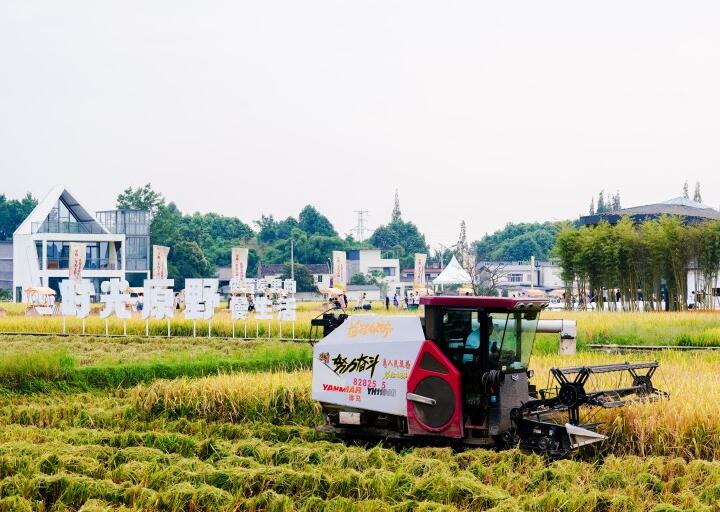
(644, 264)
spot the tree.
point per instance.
(686, 190)
(592, 206)
(461, 248)
(646, 264)
(165, 226)
(489, 276)
(399, 239)
(696, 196)
(13, 212)
(518, 242)
(303, 278)
(141, 198)
(359, 279)
(313, 222)
(186, 260)
(601, 208)
(396, 214)
(616, 201)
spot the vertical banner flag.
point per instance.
(420, 263)
(77, 260)
(339, 268)
(159, 258)
(112, 256)
(238, 263)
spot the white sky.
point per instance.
(485, 111)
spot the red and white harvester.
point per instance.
(459, 374)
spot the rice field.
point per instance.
(213, 424)
(245, 442)
(653, 328)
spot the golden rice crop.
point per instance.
(273, 397)
(651, 328)
(635, 328)
(687, 425)
(155, 463)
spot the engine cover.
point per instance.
(434, 405)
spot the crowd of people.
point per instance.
(410, 301)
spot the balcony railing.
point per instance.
(91, 264)
(66, 227)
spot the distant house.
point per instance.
(366, 261)
(320, 272)
(691, 211)
(520, 275)
(431, 272)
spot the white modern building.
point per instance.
(6, 265)
(41, 245)
(520, 275)
(366, 261)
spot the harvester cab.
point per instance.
(460, 374)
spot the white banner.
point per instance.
(159, 268)
(366, 362)
(238, 262)
(339, 268)
(76, 261)
(420, 264)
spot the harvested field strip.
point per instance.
(29, 370)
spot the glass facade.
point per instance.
(98, 255)
(135, 225)
(61, 219)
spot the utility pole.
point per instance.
(292, 259)
(360, 229)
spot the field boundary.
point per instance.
(154, 336)
(646, 348)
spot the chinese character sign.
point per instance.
(274, 284)
(115, 298)
(420, 264)
(159, 258)
(262, 308)
(75, 297)
(238, 264)
(339, 268)
(76, 261)
(239, 308)
(290, 286)
(201, 298)
(159, 299)
(288, 309)
(237, 286)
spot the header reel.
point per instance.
(535, 432)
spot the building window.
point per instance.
(515, 278)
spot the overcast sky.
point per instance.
(492, 112)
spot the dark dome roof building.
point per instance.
(692, 212)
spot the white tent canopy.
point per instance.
(453, 274)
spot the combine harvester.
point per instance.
(459, 375)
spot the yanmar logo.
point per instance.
(359, 328)
(341, 389)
